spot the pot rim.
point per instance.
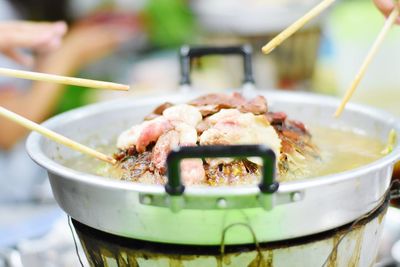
(35, 152)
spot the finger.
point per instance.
(385, 6)
(30, 35)
(29, 40)
(19, 57)
(32, 40)
(50, 46)
(398, 19)
(59, 27)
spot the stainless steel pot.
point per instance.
(356, 245)
(199, 215)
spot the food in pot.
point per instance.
(214, 119)
(330, 149)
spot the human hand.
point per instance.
(386, 7)
(37, 36)
(96, 37)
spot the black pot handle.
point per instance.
(268, 185)
(187, 53)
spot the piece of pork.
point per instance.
(157, 112)
(187, 134)
(129, 137)
(234, 127)
(192, 170)
(183, 113)
(210, 120)
(257, 105)
(164, 145)
(143, 134)
(213, 103)
(222, 115)
(149, 131)
(228, 100)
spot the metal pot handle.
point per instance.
(186, 54)
(268, 185)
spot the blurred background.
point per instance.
(323, 57)
(136, 42)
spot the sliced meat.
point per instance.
(187, 134)
(276, 117)
(207, 110)
(164, 145)
(202, 126)
(151, 131)
(192, 171)
(213, 103)
(212, 99)
(143, 134)
(299, 125)
(210, 120)
(233, 100)
(129, 137)
(242, 128)
(223, 116)
(160, 109)
(182, 135)
(257, 105)
(221, 135)
(183, 113)
(139, 136)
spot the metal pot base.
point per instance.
(357, 245)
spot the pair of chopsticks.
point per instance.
(44, 77)
(46, 132)
(54, 136)
(372, 52)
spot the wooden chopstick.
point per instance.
(372, 52)
(296, 26)
(55, 136)
(37, 76)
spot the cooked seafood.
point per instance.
(214, 119)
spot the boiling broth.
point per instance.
(340, 150)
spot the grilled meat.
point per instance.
(210, 120)
(213, 103)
